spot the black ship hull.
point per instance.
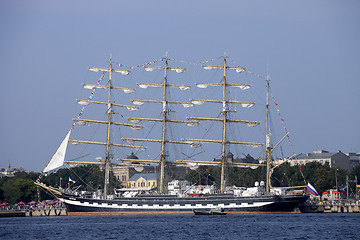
(311, 208)
(173, 204)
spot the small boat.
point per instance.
(215, 211)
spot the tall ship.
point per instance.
(166, 198)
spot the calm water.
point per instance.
(190, 227)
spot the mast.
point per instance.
(109, 122)
(107, 153)
(164, 113)
(224, 113)
(224, 120)
(164, 120)
(193, 121)
(268, 148)
(267, 140)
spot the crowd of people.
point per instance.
(45, 204)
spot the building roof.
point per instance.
(320, 154)
(132, 156)
(146, 176)
(230, 159)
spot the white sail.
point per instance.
(83, 102)
(268, 137)
(58, 159)
(187, 105)
(128, 90)
(247, 105)
(184, 88)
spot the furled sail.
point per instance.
(58, 159)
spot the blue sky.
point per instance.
(311, 49)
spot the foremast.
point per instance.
(108, 144)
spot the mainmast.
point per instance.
(107, 154)
(193, 121)
(164, 120)
(224, 120)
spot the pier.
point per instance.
(33, 212)
(329, 207)
(12, 213)
(46, 212)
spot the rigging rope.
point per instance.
(141, 65)
(286, 132)
(79, 116)
(90, 97)
(195, 63)
(191, 63)
(282, 122)
(173, 59)
(252, 73)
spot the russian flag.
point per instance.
(311, 189)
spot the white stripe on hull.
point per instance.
(165, 206)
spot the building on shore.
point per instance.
(143, 180)
(122, 174)
(125, 173)
(354, 159)
(334, 159)
(246, 159)
(9, 171)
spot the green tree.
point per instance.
(18, 189)
(246, 177)
(356, 172)
(321, 179)
(87, 178)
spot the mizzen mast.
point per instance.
(267, 140)
(269, 148)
